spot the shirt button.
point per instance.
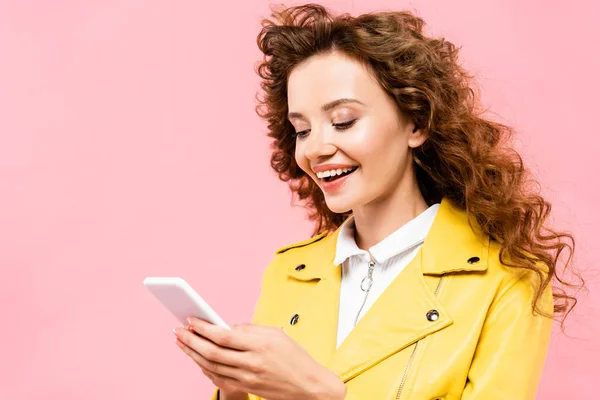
(432, 315)
(300, 267)
(473, 260)
(294, 319)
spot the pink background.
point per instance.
(129, 147)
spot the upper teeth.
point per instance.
(332, 172)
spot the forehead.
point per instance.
(327, 77)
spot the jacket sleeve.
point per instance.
(510, 355)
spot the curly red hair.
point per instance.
(466, 157)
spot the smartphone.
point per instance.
(183, 301)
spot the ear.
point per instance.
(417, 137)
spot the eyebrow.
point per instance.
(328, 106)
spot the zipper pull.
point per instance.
(368, 278)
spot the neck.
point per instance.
(377, 220)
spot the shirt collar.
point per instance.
(411, 234)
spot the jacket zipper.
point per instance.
(412, 355)
(369, 281)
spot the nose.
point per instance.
(318, 146)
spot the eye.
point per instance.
(302, 134)
(342, 126)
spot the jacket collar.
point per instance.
(454, 243)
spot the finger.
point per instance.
(207, 373)
(230, 384)
(215, 371)
(231, 338)
(211, 351)
(218, 378)
(222, 381)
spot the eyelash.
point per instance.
(342, 126)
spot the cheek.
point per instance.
(367, 146)
(381, 151)
(300, 159)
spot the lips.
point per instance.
(333, 184)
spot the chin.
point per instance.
(339, 205)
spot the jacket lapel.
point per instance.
(455, 243)
(396, 320)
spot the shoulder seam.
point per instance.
(301, 243)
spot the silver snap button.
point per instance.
(294, 319)
(432, 315)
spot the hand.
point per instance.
(257, 359)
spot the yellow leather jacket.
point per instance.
(455, 324)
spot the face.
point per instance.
(351, 138)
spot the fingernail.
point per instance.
(175, 332)
(189, 320)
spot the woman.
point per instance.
(429, 276)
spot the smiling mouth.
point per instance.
(335, 175)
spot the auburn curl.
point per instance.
(466, 158)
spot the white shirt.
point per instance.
(391, 256)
